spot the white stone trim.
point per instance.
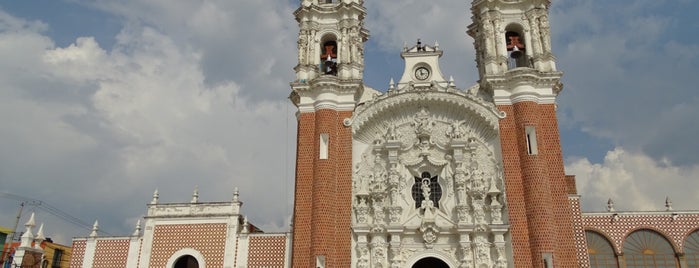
(186, 251)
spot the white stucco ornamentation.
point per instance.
(427, 177)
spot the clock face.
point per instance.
(422, 73)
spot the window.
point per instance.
(57, 256)
(530, 132)
(324, 140)
(646, 248)
(600, 251)
(691, 249)
(426, 185)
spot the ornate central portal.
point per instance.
(428, 178)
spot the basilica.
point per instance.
(418, 174)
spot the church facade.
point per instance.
(420, 174)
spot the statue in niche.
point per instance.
(379, 175)
(423, 123)
(379, 214)
(479, 211)
(426, 191)
(545, 29)
(356, 41)
(303, 47)
(456, 130)
(488, 35)
(482, 250)
(391, 133)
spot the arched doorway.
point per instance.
(431, 263)
(186, 261)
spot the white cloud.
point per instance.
(634, 181)
(97, 130)
(630, 75)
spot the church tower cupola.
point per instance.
(331, 39)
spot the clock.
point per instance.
(422, 73)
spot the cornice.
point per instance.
(409, 94)
(524, 84)
(325, 92)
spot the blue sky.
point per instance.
(104, 101)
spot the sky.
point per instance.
(102, 102)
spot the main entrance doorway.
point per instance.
(430, 262)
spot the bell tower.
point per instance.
(518, 71)
(328, 83)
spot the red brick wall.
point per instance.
(78, 254)
(323, 191)
(537, 193)
(207, 238)
(111, 253)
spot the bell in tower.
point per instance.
(331, 39)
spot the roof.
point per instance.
(5, 230)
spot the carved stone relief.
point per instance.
(436, 179)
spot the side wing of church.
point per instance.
(420, 174)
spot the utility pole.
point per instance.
(11, 236)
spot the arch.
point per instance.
(691, 248)
(175, 257)
(431, 253)
(516, 45)
(328, 53)
(600, 250)
(648, 248)
(430, 262)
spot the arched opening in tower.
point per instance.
(329, 57)
(430, 262)
(516, 50)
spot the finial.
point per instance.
(493, 188)
(40, 232)
(236, 195)
(246, 225)
(391, 84)
(451, 81)
(39, 237)
(95, 229)
(405, 46)
(610, 205)
(31, 222)
(28, 237)
(668, 204)
(137, 231)
(436, 45)
(195, 195)
(155, 197)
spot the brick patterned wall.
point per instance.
(323, 191)
(303, 196)
(537, 191)
(514, 189)
(579, 229)
(78, 254)
(267, 251)
(565, 249)
(675, 230)
(209, 239)
(111, 253)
